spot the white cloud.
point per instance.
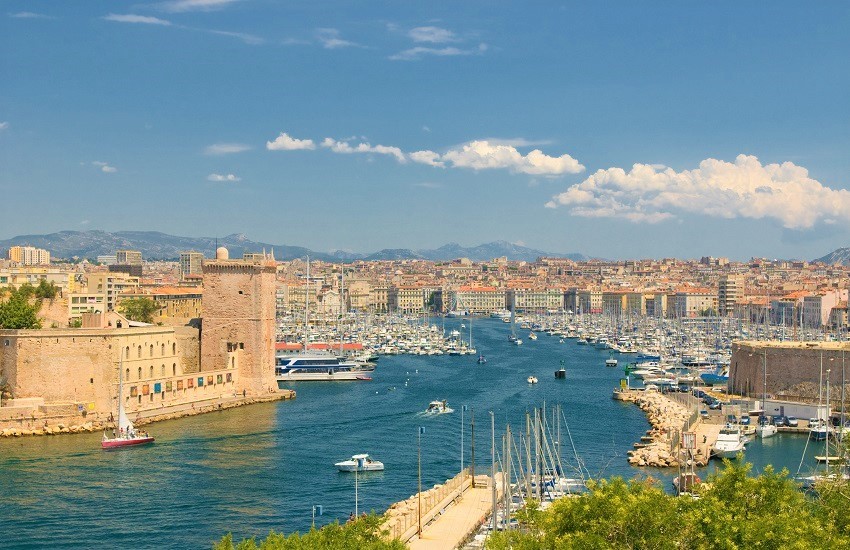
(226, 148)
(433, 35)
(4, 126)
(195, 5)
(427, 157)
(330, 39)
(483, 155)
(419, 52)
(345, 148)
(133, 18)
(244, 37)
(29, 15)
(104, 167)
(743, 189)
(284, 142)
(85, 222)
(224, 177)
(517, 142)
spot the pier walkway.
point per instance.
(450, 513)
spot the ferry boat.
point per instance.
(314, 366)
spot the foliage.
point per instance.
(45, 290)
(17, 311)
(363, 533)
(138, 309)
(733, 511)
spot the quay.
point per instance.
(451, 512)
(29, 418)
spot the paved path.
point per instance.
(458, 521)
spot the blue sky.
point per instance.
(616, 129)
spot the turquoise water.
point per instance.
(263, 467)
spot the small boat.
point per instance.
(818, 430)
(686, 482)
(532, 379)
(610, 362)
(360, 463)
(532, 336)
(438, 407)
(481, 359)
(561, 373)
(765, 428)
(830, 459)
(127, 435)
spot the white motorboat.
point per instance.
(360, 463)
(729, 442)
(532, 379)
(438, 407)
(610, 362)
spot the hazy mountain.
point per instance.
(161, 246)
(840, 256)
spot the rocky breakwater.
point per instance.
(56, 429)
(666, 417)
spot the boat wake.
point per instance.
(447, 410)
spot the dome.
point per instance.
(221, 253)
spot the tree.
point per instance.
(138, 309)
(45, 290)
(362, 533)
(734, 510)
(17, 311)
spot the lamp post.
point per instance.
(493, 463)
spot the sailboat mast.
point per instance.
(341, 302)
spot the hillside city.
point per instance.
(788, 293)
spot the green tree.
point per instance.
(363, 533)
(17, 310)
(138, 309)
(45, 290)
(734, 511)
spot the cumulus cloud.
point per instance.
(133, 18)
(104, 167)
(226, 148)
(224, 177)
(419, 52)
(195, 5)
(741, 189)
(483, 155)
(433, 35)
(331, 40)
(363, 147)
(427, 157)
(476, 155)
(284, 142)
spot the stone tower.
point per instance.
(238, 326)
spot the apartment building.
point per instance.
(28, 255)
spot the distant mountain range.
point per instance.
(840, 256)
(160, 246)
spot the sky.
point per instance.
(614, 129)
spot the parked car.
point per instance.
(699, 394)
(780, 420)
(745, 420)
(715, 405)
(793, 422)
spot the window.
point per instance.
(174, 349)
(162, 352)
(140, 351)
(151, 350)
(162, 370)
(151, 371)
(140, 373)
(174, 369)
(128, 374)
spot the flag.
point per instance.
(465, 408)
(421, 430)
(319, 510)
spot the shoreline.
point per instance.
(71, 425)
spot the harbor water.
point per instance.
(264, 467)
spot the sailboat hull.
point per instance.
(124, 442)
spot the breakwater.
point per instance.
(668, 418)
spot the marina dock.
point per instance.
(451, 513)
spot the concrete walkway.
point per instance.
(460, 519)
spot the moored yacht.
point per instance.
(729, 442)
(319, 367)
(360, 463)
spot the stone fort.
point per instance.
(73, 374)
